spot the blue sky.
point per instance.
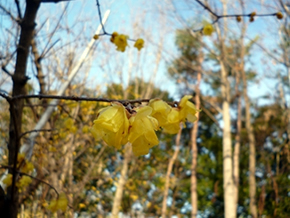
(156, 22)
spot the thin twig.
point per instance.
(207, 8)
(100, 17)
(8, 13)
(36, 130)
(6, 71)
(74, 98)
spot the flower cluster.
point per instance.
(26, 167)
(121, 41)
(117, 126)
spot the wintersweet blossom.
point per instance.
(7, 180)
(114, 34)
(142, 131)
(112, 125)
(23, 182)
(187, 109)
(173, 122)
(27, 167)
(60, 203)
(207, 29)
(139, 44)
(121, 42)
(117, 126)
(160, 111)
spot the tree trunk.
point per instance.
(236, 159)
(194, 150)
(228, 183)
(19, 78)
(169, 170)
(252, 154)
(121, 182)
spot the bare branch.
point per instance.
(18, 9)
(8, 13)
(36, 130)
(6, 71)
(54, 1)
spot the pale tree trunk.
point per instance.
(252, 154)
(228, 183)
(169, 170)
(250, 131)
(121, 182)
(194, 150)
(236, 159)
(230, 209)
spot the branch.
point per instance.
(76, 98)
(36, 130)
(18, 9)
(208, 9)
(6, 71)
(8, 13)
(54, 1)
(100, 17)
(37, 62)
(238, 16)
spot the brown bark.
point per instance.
(169, 170)
(19, 78)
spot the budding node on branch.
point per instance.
(279, 15)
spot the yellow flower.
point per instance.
(160, 111)
(23, 182)
(82, 205)
(8, 180)
(139, 44)
(20, 157)
(187, 109)
(207, 29)
(279, 15)
(27, 167)
(112, 125)
(121, 42)
(96, 37)
(53, 206)
(173, 122)
(60, 203)
(114, 34)
(239, 18)
(142, 131)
